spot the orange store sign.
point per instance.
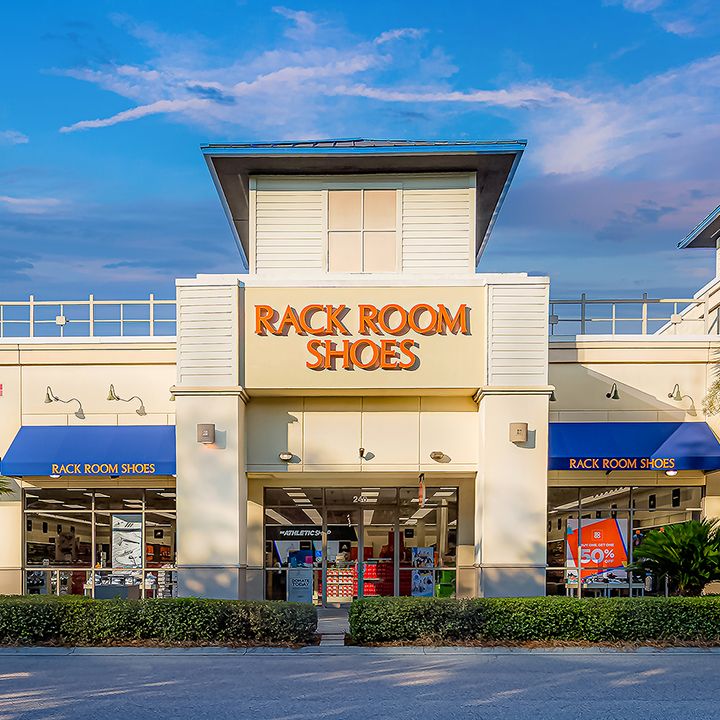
(330, 321)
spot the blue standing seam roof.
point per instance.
(691, 239)
(363, 146)
(692, 445)
(36, 449)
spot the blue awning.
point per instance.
(91, 450)
(633, 446)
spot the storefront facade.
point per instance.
(360, 414)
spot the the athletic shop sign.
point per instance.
(387, 337)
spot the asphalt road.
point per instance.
(350, 686)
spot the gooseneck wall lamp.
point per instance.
(112, 395)
(51, 397)
(675, 395)
(613, 394)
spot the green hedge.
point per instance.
(672, 620)
(82, 621)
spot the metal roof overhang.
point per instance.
(704, 235)
(232, 164)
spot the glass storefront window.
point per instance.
(592, 533)
(114, 499)
(117, 532)
(44, 499)
(290, 496)
(58, 538)
(159, 539)
(361, 541)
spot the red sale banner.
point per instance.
(603, 546)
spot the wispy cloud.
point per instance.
(290, 86)
(155, 108)
(29, 205)
(398, 33)
(13, 137)
(679, 17)
(513, 97)
(303, 25)
(311, 87)
(668, 119)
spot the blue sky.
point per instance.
(104, 105)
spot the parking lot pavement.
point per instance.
(348, 686)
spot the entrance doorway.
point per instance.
(332, 545)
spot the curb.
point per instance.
(345, 650)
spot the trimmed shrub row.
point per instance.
(673, 620)
(82, 621)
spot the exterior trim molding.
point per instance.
(512, 390)
(181, 391)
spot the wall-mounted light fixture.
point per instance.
(613, 394)
(519, 432)
(206, 433)
(553, 397)
(437, 455)
(671, 473)
(112, 395)
(362, 452)
(51, 397)
(285, 456)
(675, 395)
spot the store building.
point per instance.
(361, 413)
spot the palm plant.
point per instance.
(688, 554)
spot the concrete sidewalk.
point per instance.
(332, 626)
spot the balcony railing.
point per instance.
(87, 318)
(156, 318)
(644, 316)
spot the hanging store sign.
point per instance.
(366, 353)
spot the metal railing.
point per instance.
(157, 318)
(87, 318)
(643, 316)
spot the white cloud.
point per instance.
(398, 33)
(315, 88)
(641, 6)
(670, 118)
(304, 24)
(679, 27)
(679, 17)
(154, 108)
(512, 97)
(295, 89)
(13, 137)
(29, 206)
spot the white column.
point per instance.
(11, 550)
(211, 478)
(511, 494)
(211, 496)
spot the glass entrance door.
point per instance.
(380, 550)
(342, 555)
